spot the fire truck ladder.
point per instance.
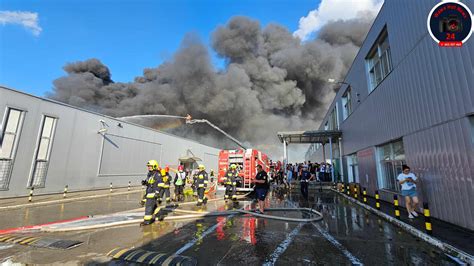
(189, 120)
(246, 182)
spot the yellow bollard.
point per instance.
(364, 194)
(129, 185)
(65, 191)
(377, 200)
(348, 189)
(426, 212)
(30, 198)
(111, 190)
(395, 203)
(355, 192)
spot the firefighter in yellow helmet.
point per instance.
(230, 182)
(151, 191)
(201, 184)
(164, 186)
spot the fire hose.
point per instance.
(134, 217)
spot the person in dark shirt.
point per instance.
(261, 187)
(306, 176)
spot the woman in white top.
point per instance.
(408, 181)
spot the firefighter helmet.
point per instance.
(153, 164)
(233, 166)
(180, 168)
(201, 167)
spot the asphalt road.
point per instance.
(347, 235)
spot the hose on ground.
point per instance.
(188, 214)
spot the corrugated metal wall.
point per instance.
(426, 101)
(84, 159)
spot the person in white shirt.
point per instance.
(408, 181)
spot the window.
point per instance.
(379, 61)
(346, 104)
(43, 152)
(8, 144)
(332, 123)
(353, 168)
(390, 159)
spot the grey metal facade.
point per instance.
(427, 101)
(82, 158)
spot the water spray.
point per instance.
(189, 120)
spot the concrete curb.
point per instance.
(453, 251)
(35, 204)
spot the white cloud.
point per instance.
(29, 20)
(333, 10)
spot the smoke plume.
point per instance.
(272, 82)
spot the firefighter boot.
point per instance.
(147, 222)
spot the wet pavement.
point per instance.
(348, 235)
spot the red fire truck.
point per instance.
(246, 161)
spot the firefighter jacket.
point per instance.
(165, 181)
(202, 179)
(151, 183)
(230, 177)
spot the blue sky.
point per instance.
(126, 35)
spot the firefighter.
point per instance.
(230, 182)
(194, 181)
(201, 184)
(151, 182)
(164, 186)
(179, 182)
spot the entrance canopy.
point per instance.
(313, 136)
(317, 136)
(189, 159)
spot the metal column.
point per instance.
(285, 156)
(340, 159)
(332, 162)
(324, 153)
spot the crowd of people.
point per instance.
(294, 172)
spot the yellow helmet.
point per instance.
(153, 164)
(163, 171)
(201, 167)
(233, 166)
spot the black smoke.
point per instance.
(272, 82)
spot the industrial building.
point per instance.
(405, 100)
(47, 145)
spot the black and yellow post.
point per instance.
(348, 190)
(355, 192)
(397, 209)
(377, 200)
(426, 212)
(111, 189)
(65, 191)
(364, 195)
(129, 184)
(30, 198)
(343, 185)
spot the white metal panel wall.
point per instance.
(445, 165)
(77, 147)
